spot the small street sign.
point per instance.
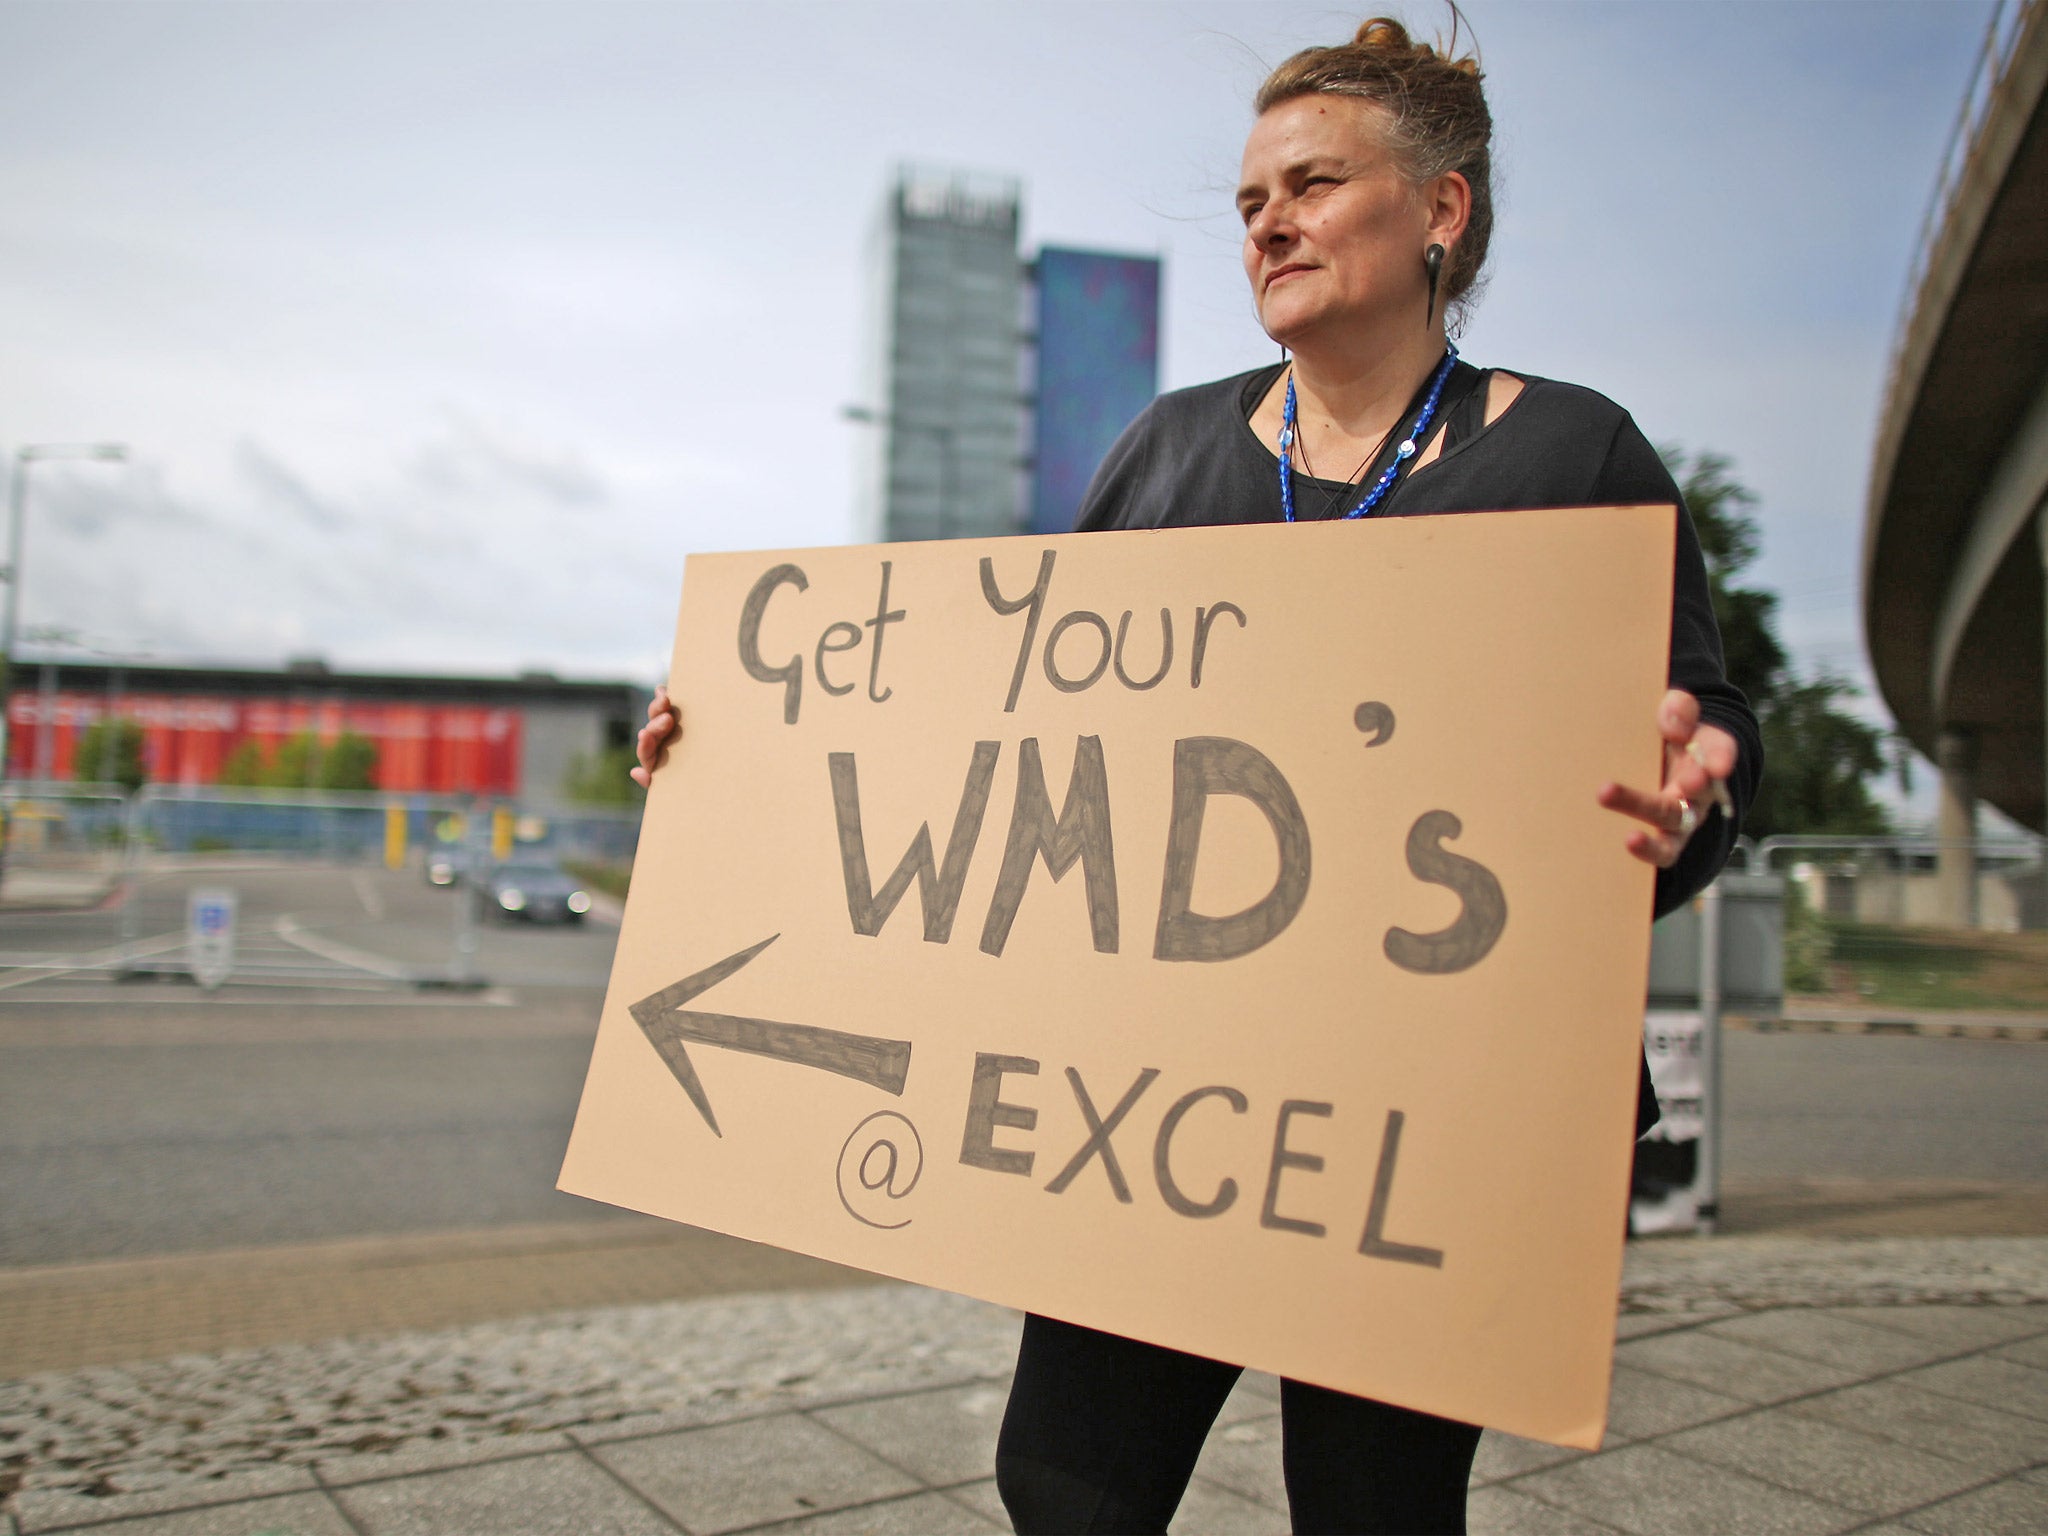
(210, 935)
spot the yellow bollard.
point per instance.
(502, 822)
(394, 836)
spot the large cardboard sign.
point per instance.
(1207, 935)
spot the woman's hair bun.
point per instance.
(1386, 33)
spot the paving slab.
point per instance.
(1634, 1325)
(1966, 1327)
(433, 1456)
(1979, 1437)
(1641, 1404)
(731, 1476)
(921, 1514)
(2015, 1508)
(667, 1421)
(2032, 1352)
(48, 1509)
(1991, 1383)
(1643, 1488)
(1245, 1459)
(1505, 1512)
(1249, 1399)
(1808, 1455)
(1209, 1509)
(292, 1514)
(1729, 1367)
(1258, 1384)
(940, 1437)
(1832, 1339)
(984, 1499)
(562, 1494)
(1502, 1455)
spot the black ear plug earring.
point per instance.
(1433, 258)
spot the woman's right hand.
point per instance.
(662, 727)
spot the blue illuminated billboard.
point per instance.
(1098, 366)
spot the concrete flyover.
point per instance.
(1956, 531)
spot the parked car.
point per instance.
(539, 892)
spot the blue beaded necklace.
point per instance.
(1402, 455)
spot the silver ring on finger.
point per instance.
(1688, 817)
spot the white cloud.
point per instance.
(441, 333)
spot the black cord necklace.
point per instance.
(1342, 493)
(1409, 444)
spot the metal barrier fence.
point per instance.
(1907, 924)
(54, 826)
(60, 859)
(348, 891)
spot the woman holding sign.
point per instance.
(1367, 208)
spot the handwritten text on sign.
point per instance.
(1349, 1104)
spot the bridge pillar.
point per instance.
(1956, 826)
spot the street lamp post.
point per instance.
(948, 448)
(17, 516)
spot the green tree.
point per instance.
(301, 762)
(1730, 540)
(1818, 757)
(291, 765)
(110, 752)
(349, 762)
(242, 767)
(602, 780)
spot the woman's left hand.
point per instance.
(1697, 758)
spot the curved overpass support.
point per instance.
(1953, 577)
(1990, 656)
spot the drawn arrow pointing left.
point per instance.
(667, 1024)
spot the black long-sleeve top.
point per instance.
(1192, 460)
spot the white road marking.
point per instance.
(366, 893)
(99, 958)
(289, 929)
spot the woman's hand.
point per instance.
(662, 727)
(1697, 758)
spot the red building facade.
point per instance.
(441, 735)
(444, 748)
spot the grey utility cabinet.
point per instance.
(1752, 949)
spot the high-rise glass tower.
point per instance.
(1096, 367)
(995, 385)
(946, 381)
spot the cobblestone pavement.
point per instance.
(1761, 1384)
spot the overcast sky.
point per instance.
(440, 333)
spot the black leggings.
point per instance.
(1102, 1433)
